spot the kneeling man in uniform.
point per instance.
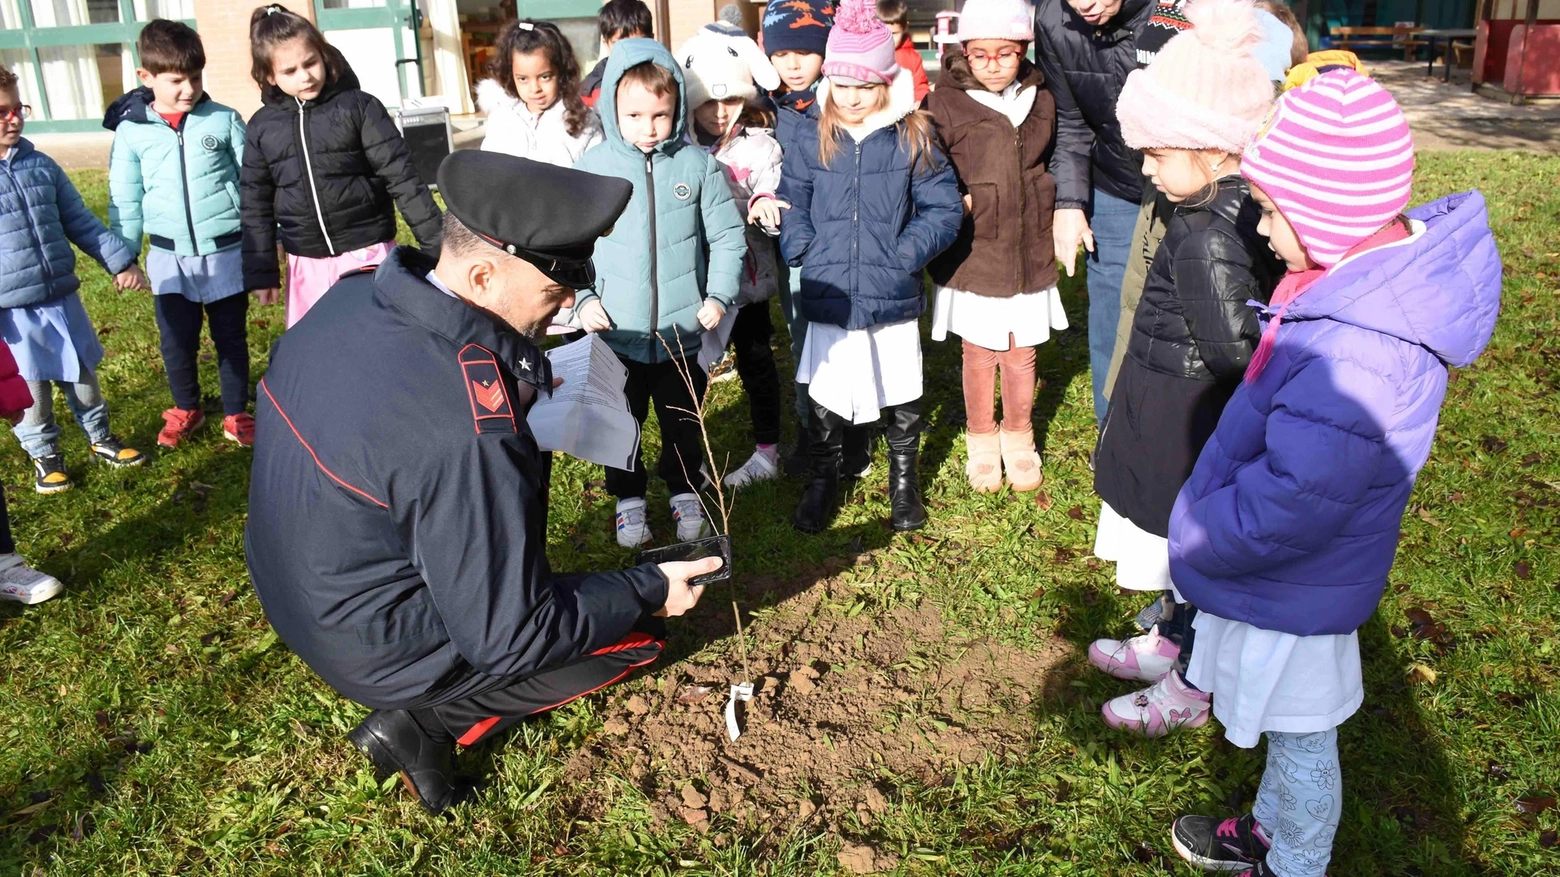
(396, 532)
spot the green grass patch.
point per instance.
(150, 723)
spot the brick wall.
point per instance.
(224, 29)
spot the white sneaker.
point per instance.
(688, 512)
(633, 530)
(22, 583)
(761, 466)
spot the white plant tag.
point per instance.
(743, 692)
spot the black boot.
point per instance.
(904, 484)
(799, 462)
(818, 503)
(857, 459)
(396, 744)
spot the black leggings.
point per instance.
(750, 337)
(7, 545)
(178, 321)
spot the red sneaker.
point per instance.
(240, 428)
(178, 426)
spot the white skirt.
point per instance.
(987, 321)
(1264, 680)
(1142, 559)
(858, 372)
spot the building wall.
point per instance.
(224, 29)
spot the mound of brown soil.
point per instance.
(846, 707)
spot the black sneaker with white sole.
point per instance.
(115, 453)
(1214, 844)
(49, 475)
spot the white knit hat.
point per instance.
(721, 62)
(993, 20)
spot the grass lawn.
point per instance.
(925, 707)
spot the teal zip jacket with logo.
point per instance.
(180, 186)
(681, 237)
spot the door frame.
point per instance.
(395, 15)
(31, 39)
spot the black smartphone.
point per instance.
(698, 549)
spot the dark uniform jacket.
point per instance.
(1192, 338)
(395, 534)
(1085, 68)
(327, 175)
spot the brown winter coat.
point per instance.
(1004, 247)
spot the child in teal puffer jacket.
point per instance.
(666, 272)
(173, 174)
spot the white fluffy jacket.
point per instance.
(752, 160)
(511, 128)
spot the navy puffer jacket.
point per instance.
(864, 227)
(41, 215)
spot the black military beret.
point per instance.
(549, 216)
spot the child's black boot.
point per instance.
(904, 483)
(826, 439)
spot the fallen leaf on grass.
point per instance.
(1043, 500)
(31, 808)
(1428, 518)
(1492, 444)
(1420, 673)
(1548, 839)
(1076, 513)
(1535, 804)
(1523, 569)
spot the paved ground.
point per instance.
(1450, 116)
(1443, 116)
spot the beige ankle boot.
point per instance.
(1020, 459)
(984, 470)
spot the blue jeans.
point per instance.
(1300, 801)
(1112, 221)
(39, 432)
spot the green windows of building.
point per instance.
(73, 57)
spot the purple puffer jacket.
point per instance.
(1290, 519)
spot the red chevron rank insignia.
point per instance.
(490, 407)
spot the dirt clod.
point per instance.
(858, 859)
(850, 708)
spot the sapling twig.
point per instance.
(679, 361)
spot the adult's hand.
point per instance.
(1069, 230)
(679, 596)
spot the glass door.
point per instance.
(379, 40)
(73, 57)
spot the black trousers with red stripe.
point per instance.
(471, 720)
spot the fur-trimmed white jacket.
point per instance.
(513, 130)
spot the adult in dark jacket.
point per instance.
(1191, 340)
(1086, 49)
(326, 173)
(397, 539)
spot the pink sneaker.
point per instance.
(1167, 705)
(1146, 658)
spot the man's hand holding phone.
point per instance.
(679, 596)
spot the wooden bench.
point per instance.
(1349, 37)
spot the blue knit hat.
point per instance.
(798, 25)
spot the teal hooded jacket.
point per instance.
(680, 238)
(179, 186)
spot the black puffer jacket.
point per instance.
(1192, 337)
(323, 173)
(1193, 320)
(1085, 68)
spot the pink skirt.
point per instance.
(309, 279)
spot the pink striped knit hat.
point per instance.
(1338, 160)
(860, 46)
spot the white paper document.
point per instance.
(587, 416)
